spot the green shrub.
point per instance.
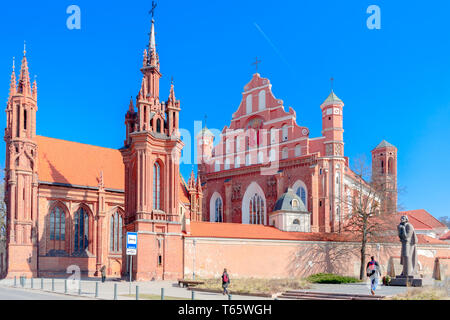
(330, 278)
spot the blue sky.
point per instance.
(395, 82)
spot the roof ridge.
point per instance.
(82, 143)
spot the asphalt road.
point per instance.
(21, 294)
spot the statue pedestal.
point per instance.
(406, 281)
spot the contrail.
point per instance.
(273, 46)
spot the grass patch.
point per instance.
(331, 278)
(425, 293)
(145, 296)
(256, 286)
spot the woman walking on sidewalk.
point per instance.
(225, 281)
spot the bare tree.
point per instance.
(445, 220)
(370, 210)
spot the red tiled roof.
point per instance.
(422, 220)
(80, 164)
(445, 236)
(251, 231)
(183, 193)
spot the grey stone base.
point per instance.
(402, 281)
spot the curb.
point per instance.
(264, 295)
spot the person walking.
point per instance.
(103, 271)
(373, 273)
(225, 281)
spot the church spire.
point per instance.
(12, 86)
(152, 56)
(24, 78)
(131, 106)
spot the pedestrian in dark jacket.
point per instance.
(373, 273)
(103, 271)
(225, 281)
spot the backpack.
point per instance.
(225, 278)
(371, 269)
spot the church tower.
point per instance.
(151, 156)
(384, 173)
(21, 174)
(332, 130)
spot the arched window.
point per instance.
(390, 166)
(262, 100)
(338, 185)
(237, 162)
(249, 104)
(158, 125)
(301, 192)
(57, 224)
(273, 136)
(228, 146)
(115, 233)
(237, 145)
(156, 186)
(248, 159)
(285, 153)
(81, 239)
(256, 207)
(227, 164)
(298, 150)
(285, 132)
(216, 166)
(300, 189)
(272, 155)
(382, 167)
(260, 157)
(218, 210)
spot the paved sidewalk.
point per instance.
(106, 289)
(171, 289)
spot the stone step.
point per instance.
(368, 296)
(305, 295)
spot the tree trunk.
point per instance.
(362, 270)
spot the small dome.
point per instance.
(332, 100)
(205, 132)
(289, 201)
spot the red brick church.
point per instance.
(266, 196)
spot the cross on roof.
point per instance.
(152, 12)
(331, 79)
(256, 63)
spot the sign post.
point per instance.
(131, 249)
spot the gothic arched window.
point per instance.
(285, 153)
(81, 240)
(285, 132)
(248, 104)
(298, 150)
(57, 224)
(237, 162)
(301, 192)
(115, 233)
(158, 125)
(156, 186)
(218, 210)
(390, 166)
(262, 99)
(256, 212)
